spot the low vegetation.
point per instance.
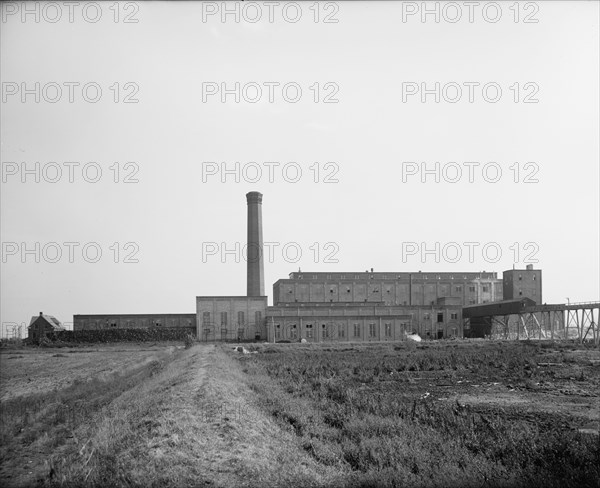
(391, 416)
(456, 413)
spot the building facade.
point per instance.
(348, 322)
(41, 325)
(133, 321)
(236, 318)
(523, 283)
(389, 288)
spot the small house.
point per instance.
(42, 325)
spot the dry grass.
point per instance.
(186, 421)
(390, 415)
(301, 415)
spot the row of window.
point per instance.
(135, 323)
(241, 318)
(329, 331)
(533, 278)
(390, 277)
(240, 334)
(458, 289)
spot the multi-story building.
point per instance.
(523, 283)
(389, 288)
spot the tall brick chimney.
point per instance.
(256, 273)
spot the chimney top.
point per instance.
(41, 313)
(529, 266)
(254, 197)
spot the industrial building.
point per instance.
(336, 306)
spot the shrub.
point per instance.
(189, 340)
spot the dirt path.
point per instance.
(213, 419)
(195, 422)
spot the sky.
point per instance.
(380, 135)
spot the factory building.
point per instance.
(335, 306)
(133, 321)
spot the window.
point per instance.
(309, 331)
(325, 331)
(388, 330)
(520, 278)
(472, 289)
(241, 318)
(454, 316)
(223, 333)
(486, 288)
(341, 331)
(206, 332)
(440, 317)
(114, 324)
(372, 330)
(356, 330)
(277, 331)
(533, 278)
(293, 332)
(206, 317)
(520, 293)
(157, 323)
(258, 317)
(241, 333)
(223, 318)
(426, 316)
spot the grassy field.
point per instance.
(439, 414)
(434, 414)
(142, 416)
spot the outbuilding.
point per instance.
(41, 325)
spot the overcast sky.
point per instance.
(518, 168)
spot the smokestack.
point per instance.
(256, 273)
